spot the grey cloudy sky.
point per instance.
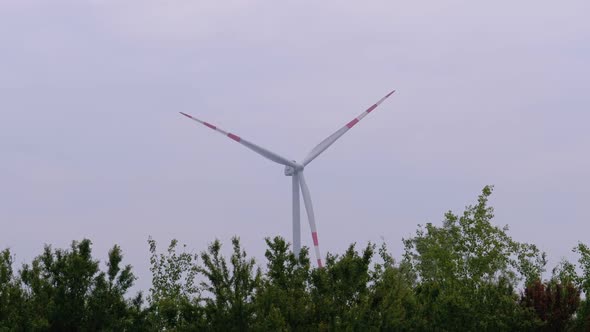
(93, 146)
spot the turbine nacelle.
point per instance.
(290, 170)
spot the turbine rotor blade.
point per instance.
(335, 136)
(258, 149)
(310, 217)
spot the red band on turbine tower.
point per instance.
(320, 263)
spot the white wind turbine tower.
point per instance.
(295, 170)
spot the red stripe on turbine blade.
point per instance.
(320, 263)
(352, 123)
(234, 137)
(314, 235)
(371, 108)
(209, 125)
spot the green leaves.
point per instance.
(470, 248)
(463, 274)
(174, 291)
(282, 299)
(230, 308)
(11, 295)
(467, 269)
(65, 290)
(568, 273)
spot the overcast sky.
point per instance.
(92, 144)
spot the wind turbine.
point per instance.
(295, 170)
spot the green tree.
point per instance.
(282, 301)
(468, 270)
(229, 306)
(65, 290)
(107, 307)
(174, 295)
(12, 313)
(340, 291)
(392, 304)
(583, 281)
(59, 283)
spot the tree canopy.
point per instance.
(465, 274)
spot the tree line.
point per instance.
(463, 275)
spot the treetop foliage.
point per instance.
(466, 274)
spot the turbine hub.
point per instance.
(290, 170)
